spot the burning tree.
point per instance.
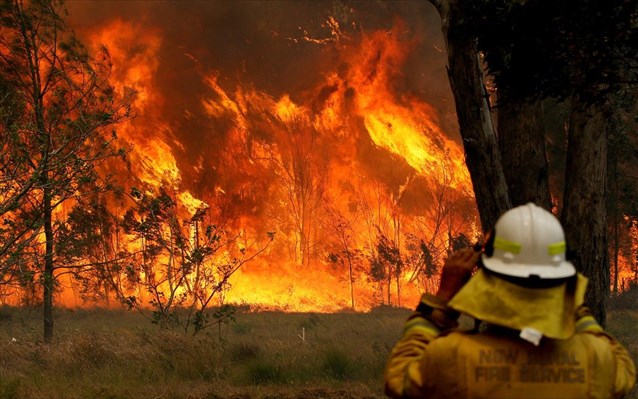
(274, 153)
(342, 230)
(87, 244)
(304, 180)
(55, 113)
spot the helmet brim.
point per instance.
(560, 270)
(497, 301)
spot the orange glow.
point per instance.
(352, 175)
(133, 51)
(329, 170)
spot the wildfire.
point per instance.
(296, 138)
(352, 174)
(133, 50)
(330, 170)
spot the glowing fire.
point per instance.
(342, 172)
(360, 106)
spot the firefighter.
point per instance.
(539, 340)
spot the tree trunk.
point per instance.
(521, 139)
(48, 281)
(584, 211)
(389, 284)
(397, 269)
(350, 277)
(475, 122)
(613, 209)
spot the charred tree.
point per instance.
(521, 138)
(483, 158)
(584, 213)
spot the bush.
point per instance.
(9, 389)
(5, 314)
(241, 328)
(262, 372)
(336, 364)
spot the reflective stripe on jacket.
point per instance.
(498, 364)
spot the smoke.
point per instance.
(276, 46)
(301, 50)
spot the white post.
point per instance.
(302, 335)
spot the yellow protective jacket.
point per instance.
(496, 363)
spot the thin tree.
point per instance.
(341, 228)
(304, 177)
(59, 137)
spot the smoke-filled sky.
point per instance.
(262, 42)
(271, 47)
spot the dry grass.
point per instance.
(118, 354)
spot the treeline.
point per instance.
(563, 98)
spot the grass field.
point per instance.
(118, 354)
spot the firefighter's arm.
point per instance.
(625, 369)
(404, 371)
(408, 366)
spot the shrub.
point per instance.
(9, 389)
(336, 364)
(313, 320)
(263, 372)
(5, 314)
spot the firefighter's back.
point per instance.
(498, 364)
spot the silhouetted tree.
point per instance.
(533, 50)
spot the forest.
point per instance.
(183, 180)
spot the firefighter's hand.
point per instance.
(457, 270)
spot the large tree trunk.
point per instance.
(584, 212)
(521, 138)
(475, 122)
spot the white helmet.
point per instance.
(529, 241)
